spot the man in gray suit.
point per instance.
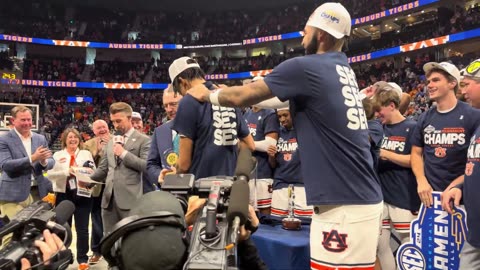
(24, 155)
(122, 167)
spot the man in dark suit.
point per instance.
(24, 156)
(122, 167)
(163, 152)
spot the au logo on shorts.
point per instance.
(436, 239)
(334, 241)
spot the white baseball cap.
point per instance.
(332, 18)
(389, 86)
(180, 65)
(445, 66)
(396, 88)
(136, 115)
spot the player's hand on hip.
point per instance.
(199, 92)
(425, 193)
(451, 197)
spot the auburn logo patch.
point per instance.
(440, 152)
(334, 241)
(469, 168)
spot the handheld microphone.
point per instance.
(118, 138)
(64, 211)
(237, 213)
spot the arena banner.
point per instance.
(89, 44)
(64, 84)
(475, 33)
(278, 37)
(392, 11)
(436, 239)
(212, 45)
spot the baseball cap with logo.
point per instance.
(473, 69)
(180, 65)
(136, 115)
(332, 18)
(445, 66)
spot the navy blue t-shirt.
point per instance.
(471, 186)
(399, 185)
(332, 129)
(375, 131)
(443, 137)
(215, 132)
(288, 162)
(260, 124)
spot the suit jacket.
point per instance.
(124, 181)
(161, 147)
(16, 169)
(91, 146)
(61, 171)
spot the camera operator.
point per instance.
(51, 245)
(174, 244)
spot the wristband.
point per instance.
(213, 97)
(250, 227)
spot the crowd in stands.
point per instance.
(430, 27)
(53, 69)
(58, 114)
(189, 27)
(118, 71)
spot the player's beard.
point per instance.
(312, 46)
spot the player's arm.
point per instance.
(270, 139)
(273, 103)
(184, 155)
(399, 159)
(248, 142)
(458, 181)
(236, 96)
(423, 187)
(246, 139)
(272, 156)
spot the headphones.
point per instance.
(110, 245)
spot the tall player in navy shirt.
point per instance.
(332, 133)
(209, 134)
(470, 254)
(285, 160)
(440, 141)
(399, 188)
(264, 127)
